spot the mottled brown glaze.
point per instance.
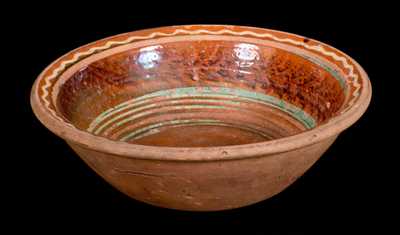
(200, 63)
(201, 117)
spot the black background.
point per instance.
(351, 186)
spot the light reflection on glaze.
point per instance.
(149, 57)
(247, 54)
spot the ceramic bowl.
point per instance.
(201, 117)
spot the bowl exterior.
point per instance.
(203, 185)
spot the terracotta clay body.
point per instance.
(202, 117)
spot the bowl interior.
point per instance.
(201, 93)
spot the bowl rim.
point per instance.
(123, 149)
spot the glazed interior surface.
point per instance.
(201, 93)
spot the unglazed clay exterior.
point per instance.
(201, 117)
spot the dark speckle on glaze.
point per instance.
(242, 66)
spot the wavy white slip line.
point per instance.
(109, 44)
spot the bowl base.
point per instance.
(202, 134)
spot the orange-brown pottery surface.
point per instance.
(202, 117)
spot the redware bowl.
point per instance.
(201, 117)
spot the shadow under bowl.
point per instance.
(201, 117)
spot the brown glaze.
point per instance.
(201, 117)
(200, 63)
